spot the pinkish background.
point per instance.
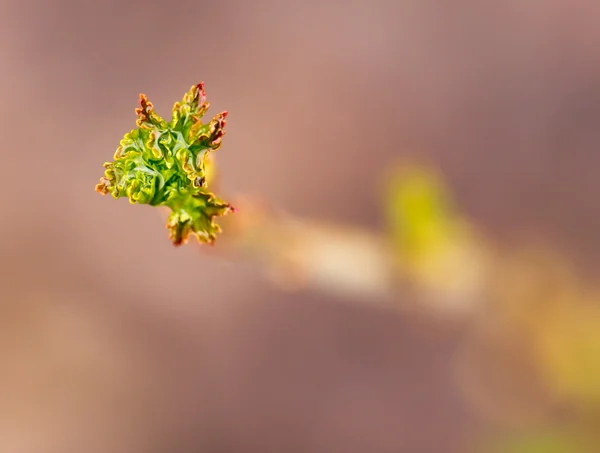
(111, 340)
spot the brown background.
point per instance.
(111, 340)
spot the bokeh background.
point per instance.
(112, 340)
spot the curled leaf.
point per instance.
(164, 164)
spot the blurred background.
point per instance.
(413, 265)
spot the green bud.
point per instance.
(163, 164)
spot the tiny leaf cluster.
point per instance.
(163, 163)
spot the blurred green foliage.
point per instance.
(532, 290)
(420, 211)
(555, 441)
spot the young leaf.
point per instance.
(163, 164)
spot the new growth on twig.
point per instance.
(163, 163)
